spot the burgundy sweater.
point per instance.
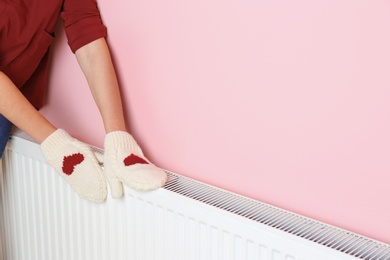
(27, 31)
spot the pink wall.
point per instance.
(287, 102)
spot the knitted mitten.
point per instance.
(125, 163)
(77, 164)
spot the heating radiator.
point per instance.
(42, 218)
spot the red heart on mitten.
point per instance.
(133, 159)
(70, 162)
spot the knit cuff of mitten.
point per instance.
(54, 142)
(120, 140)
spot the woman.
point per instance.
(26, 32)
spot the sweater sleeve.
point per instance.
(82, 22)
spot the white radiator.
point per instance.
(42, 218)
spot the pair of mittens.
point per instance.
(124, 162)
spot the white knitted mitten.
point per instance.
(125, 163)
(77, 164)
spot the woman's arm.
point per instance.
(95, 61)
(17, 109)
(124, 161)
